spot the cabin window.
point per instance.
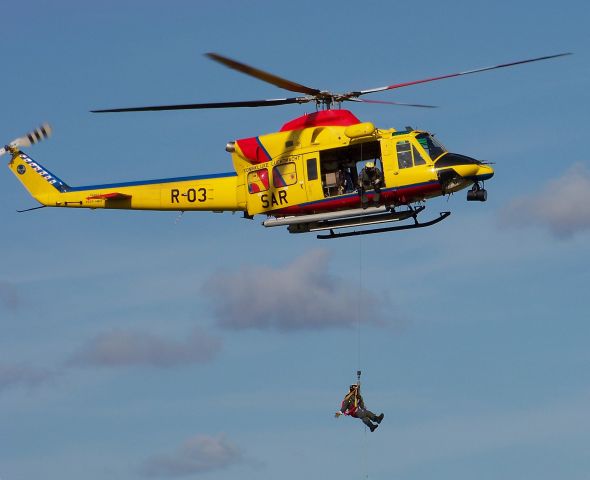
(284, 174)
(408, 156)
(404, 154)
(258, 181)
(312, 169)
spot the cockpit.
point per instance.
(433, 147)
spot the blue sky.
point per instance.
(121, 353)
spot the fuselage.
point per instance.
(310, 166)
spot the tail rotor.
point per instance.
(31, 138)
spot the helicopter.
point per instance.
(305, 176)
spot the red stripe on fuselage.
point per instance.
(323, 118)
(394, 196)
(253, 150)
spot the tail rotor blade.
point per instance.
(31, 138)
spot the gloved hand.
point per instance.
(338, 413)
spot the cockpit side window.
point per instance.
(404, 154)
(432, 146)
(408, 155)
(418, 159)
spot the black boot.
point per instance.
(379, 418)
(364, 201)
(373, 427)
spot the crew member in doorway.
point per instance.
(370, 178)
(353, 405)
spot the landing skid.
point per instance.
(416, 224)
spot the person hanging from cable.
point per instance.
(353, 405)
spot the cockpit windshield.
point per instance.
(432, 146)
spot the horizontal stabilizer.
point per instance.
(109, 196)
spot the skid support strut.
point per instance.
(416, 224)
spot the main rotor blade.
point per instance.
(467, 72)
(391, 103)
(262, 75)
(193, 106)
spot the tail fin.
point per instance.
(40, 182)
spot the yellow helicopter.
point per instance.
(324, 171)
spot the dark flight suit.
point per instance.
(370, 178)
(357, 409)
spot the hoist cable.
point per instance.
(360, 289)
(364, 455)
(359, 304)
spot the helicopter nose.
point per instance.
(466, 167)
(485, 172)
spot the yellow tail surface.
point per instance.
(214, 192)
(41, 183)
(211, 192)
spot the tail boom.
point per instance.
(216, 192)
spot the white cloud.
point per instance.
(14, 375)
(125, 348)
(198, 454)
(562, 206)
(301, 295)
